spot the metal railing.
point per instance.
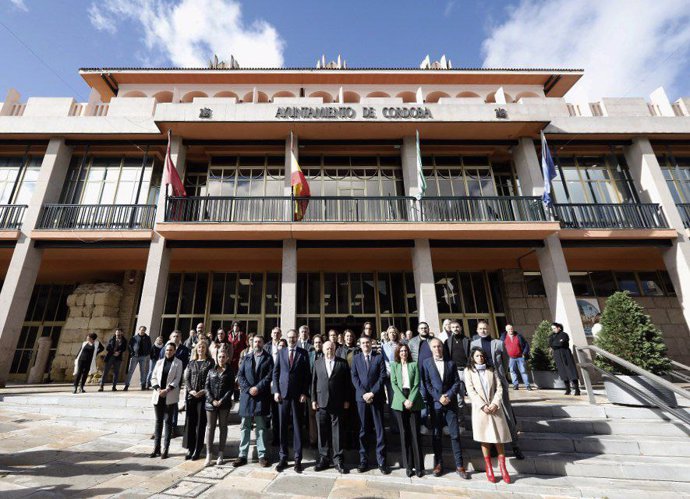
(680, 371)
(355, 209)
(610, 216)
(11, 216)
(97, 216)
(588, 366)
(684, 209)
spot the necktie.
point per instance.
(292, 357)
(366, 359)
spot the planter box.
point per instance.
(621, 396)
(548, 380)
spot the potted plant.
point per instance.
(628, 333)
(541, 360)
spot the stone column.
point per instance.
(37, 372)
(158, 263)
(552, 264)
(26, 258)
(652, 188)
(408, 158)
(288, 286)
(424, 284)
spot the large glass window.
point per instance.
(602, 284)
(353, 175)
(465, 176)
(677, 174)
(593, 179)
(245, 176)
(18, 177)
(115, 180)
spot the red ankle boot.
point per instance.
(489, 470)
(502, 467)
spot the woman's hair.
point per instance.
(93, 336)
(471, 363)
(283, 342)
(396, 355)
(195, 355)
(558, 325)
(393, 329)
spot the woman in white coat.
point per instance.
(85, 363)
(165, 382)
(489, 424)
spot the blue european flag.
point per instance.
(548, 170)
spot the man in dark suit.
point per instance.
(330, 387)
(441, 384)
(304, 340)
(368, 377)
(291, 388)
(254, 378)
(271, 348)
(347, 351)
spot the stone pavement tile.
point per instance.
(29, 458)
(213, 472)
(427, 493)
(6, 427)
(310, 486)
(74, 438)
(21, 443)
(263, 474)
(237, 486)
(114, 486)
(186, 488)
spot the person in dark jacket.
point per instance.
(195, 388)
(85, 363)
(559, 341)
(517, 348)
(291, 390)
(156, 349)
(219, 387)
(116, 347)
(139, 354)
(347, 350)
(457, 349)
(254, 378)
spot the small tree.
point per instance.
(628, 333)
(540, 358)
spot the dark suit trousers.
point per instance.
(375, 412)
(440, 418)
(163, 426)
(195, 427)
(82, 373)
(328, 424)
(411, 452)
(291, 409)
(275, 420)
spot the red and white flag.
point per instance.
(171, 177)
(300, 187)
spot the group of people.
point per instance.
(336, 389)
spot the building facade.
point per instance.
(90, 239)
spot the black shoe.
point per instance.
(281, 466)
(518, 453)
(114, 389)
(81, 390)
(567, 390)
(409, 472)
(126, 387)
(516, 387)
(420, 473)
(298, 467)
(74, 391)
(339, 468)
(529, 388)
(100, 388)
(462, 473)
(384, 469)
(155, 453)
(320, 466)
(195, 456)
(188, 456)
(143, 388)
(362, 468)
(240, 461)
(577, 392)
(165, 454)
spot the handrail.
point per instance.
(683, 377)
(586, 365)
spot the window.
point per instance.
(353, 175)
(18, 177)
(593, 179)
(677, 174)
(467, 176)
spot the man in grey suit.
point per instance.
(498, 359)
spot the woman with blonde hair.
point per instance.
(489, 424)
(195, 381)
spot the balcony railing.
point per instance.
(610, 216)
(355, 209)
(97, 217)
(684, 209)
(11, 216)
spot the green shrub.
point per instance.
(540, 358)
(628, 333)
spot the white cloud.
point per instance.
(189, 32)
(626, 47)
(450, 4)
(20, 4)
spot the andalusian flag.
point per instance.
(300, 187)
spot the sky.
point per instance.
(628, 48)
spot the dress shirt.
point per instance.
(329, 366)
(440, 367)
(405, 377)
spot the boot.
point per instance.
(489, 470)
(576, 387)
(156, 452)
(502, 467)
(567, 388)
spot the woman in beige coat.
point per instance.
(489, 425)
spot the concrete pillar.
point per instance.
(38, 371)
(408, 158)
(288, 286)
(652, 188)
(552, 264)
(424, 284)
(26, 258)
(158, 263)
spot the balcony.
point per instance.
(107, 217)
(610, 216)
(11, 216)
(684, 210)
(386, 209)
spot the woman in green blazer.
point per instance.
(407, 402)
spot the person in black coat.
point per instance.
(254, 378)
(330, 387)
(195, 382)
(368, 377)
(291, 376)
(219, 389)
(559, 341)
(116, 347)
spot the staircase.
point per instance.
(560, 436)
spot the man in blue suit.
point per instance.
(291, 378)
(368, 378)
(441, 384)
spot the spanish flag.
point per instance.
(300, 187)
